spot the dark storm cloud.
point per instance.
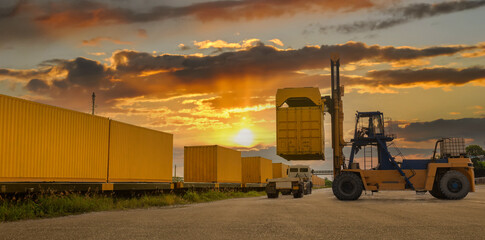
(26, 74)
(91, 13)
(406, 77)
(85, 72)
(135, 73)
(267, 60)
(133, 61)
(465, 127)
(12, 9)
(401, 15)
(37, 85)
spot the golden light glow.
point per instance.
(244, 137)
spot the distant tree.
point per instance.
(474, 151)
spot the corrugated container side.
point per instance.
(212, 164)
(300, 134)
(280, 170)
(200, 164)
(251, 169)
(318, 181)
(40, 143)
(138, 154)
(256, 169)
(228, 165)
(266, 169)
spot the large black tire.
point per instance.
(436, 191)
(273, 195)
(454, 185)
(299, 193)
(347, 186)
(307, 190)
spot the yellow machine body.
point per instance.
(423, 180)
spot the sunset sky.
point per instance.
(208, 71)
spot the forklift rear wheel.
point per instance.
(436, 191)
(347, 186)
(454, 185)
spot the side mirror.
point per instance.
(287, 171)
(313, 171)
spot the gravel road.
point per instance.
(386, 215)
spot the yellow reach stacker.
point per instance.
(447, 175)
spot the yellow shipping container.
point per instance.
(138, 154)
(42, 143)
(318, 181)
(212, 164)
(280, 170)
(299, 124)
(256, 169)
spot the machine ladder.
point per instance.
(398, 168)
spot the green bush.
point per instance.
(64, 203)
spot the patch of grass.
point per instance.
(62, 204)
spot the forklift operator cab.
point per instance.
(369, 124)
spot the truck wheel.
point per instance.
(273, 195)
(308, 189)
(347, 186)
(299, 193)
(454, 185)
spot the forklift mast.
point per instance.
(335, 108)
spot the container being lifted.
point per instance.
(299, 124)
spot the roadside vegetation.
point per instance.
(61, 204)
(477, 155)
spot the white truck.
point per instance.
(298, 183)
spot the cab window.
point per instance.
(303, 169)
(293, 169)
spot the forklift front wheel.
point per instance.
(347, 186)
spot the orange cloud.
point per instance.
(97, 53)
(241, 81)
(97, 40)
(219, 44)
(142, 33)
(277, 42)
(215, 44)
(73, 14)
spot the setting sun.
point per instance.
(244, 137)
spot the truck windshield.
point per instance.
(303, 169)
(293, 169)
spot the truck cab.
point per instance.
(300, 171)
(298, 182)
